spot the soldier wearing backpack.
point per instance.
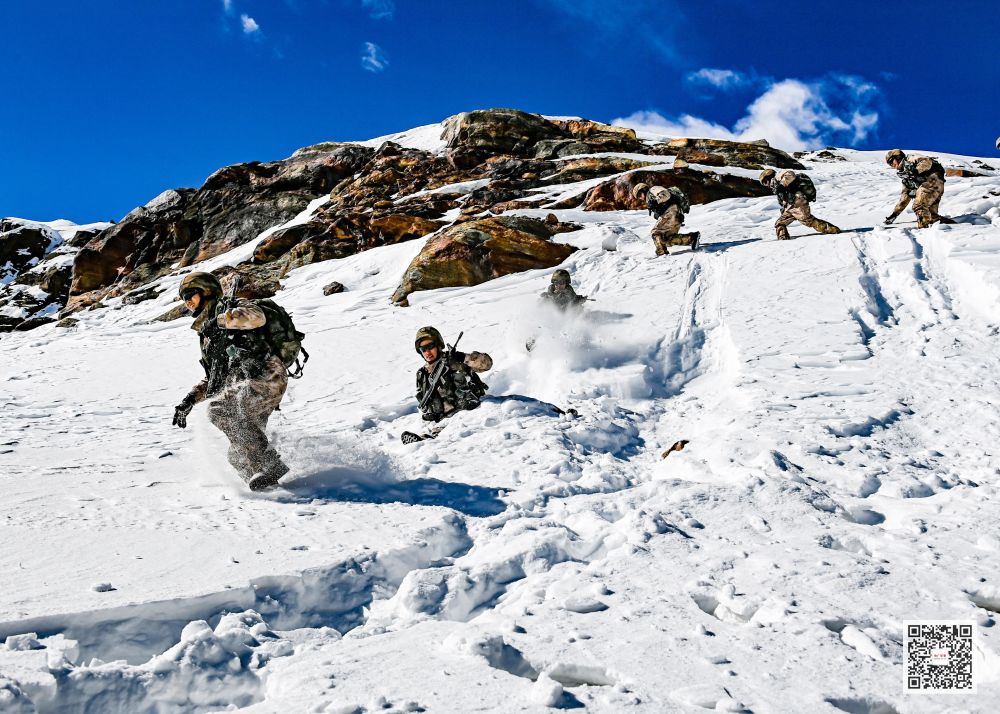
(247, 348)
(795, 192)
(923, 181)
(668, 206)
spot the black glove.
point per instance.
(889, 219)
(181, 412)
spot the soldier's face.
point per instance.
(193, 302)
(896, 163)
(428, 350)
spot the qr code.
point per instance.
(939, 655)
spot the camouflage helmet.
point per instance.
(766, 175)
(639, 190)
(206, 283)
(560, 276)
(428, 333)
(894, 154)
(786, 178)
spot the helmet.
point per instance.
(639, 189)
(560, 276)
(766, 175)
(425, 333)
(894, 154)
(785, 178)
(206, 283)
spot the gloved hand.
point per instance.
(181, 412)
(889, 219)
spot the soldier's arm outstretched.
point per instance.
(904, 201)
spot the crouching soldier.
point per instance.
(447, 382)
(923, 181)
(794, 193)
(560, 292)
(668, 206)
(245, 378)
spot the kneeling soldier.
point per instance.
(668, 206)
(560, 292)
(923, 181)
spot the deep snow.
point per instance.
(839, 395)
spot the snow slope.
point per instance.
(839, 395)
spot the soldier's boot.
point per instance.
(688, 239)
(781, 231)
(271, 471)
(821, 226)
(924, 219)
(661, 243)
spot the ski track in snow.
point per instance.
(839, 398)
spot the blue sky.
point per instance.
(108, 103)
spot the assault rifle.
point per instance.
(223, 352)
(439, 369)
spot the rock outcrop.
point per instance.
(700, 187)
(474, 252)
(719, 152)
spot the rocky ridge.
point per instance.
(491, 162)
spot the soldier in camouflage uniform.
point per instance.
(794, 194)
(459, 388)
(244, 379)
(923, 181)
(668, 206)
(560, 292)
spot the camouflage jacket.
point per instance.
(916, 170)
(460, 387)
(232, 345)
(786, 194)
(659, 199)
(563, 298)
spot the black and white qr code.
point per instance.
(939, 655)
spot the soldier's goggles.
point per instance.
(189, 293)
(426, 347)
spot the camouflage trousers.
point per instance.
(667, 233)
(801, 212)
(926, 201)
(241, 412)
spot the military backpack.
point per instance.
(284, 340)
(806, 187)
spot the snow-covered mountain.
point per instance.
(838, 395)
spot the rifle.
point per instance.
(222, 357)
(439, 369)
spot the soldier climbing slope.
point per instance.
(245, 347)
(447, 382)
(794, 193)
(923, 181)
(668, 206)
(560, 292)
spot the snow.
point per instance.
(838, 394)
(424, 138)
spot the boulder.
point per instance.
(700, 187)
(746, 155)
(333, 288)
(22, 245)
(473, 137)
(962, 173)
(474, 252)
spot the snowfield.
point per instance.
(839, 395)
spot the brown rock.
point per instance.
(477, 251)
(700, 187)
(747, 155)
(962, 173)
(333, 288)
(473, 137)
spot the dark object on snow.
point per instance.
(677, 446)
(333, 288)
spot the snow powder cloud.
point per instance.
(373, 58)
(791, 114)
(379, 9)
(250, 25)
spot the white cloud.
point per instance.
(227, 5)
(790, 114)
(373, 58)
(250, 25)
(379, 9)
(719, 78)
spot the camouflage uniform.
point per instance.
(923, 181)
(460, 387)
(794, 204)
(560, 292)
(251, 387)
(668, 205)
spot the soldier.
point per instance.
(923, 181)
(459, 386)
(794, 194)
(244, 377)
(560, 292)
(668, 206)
